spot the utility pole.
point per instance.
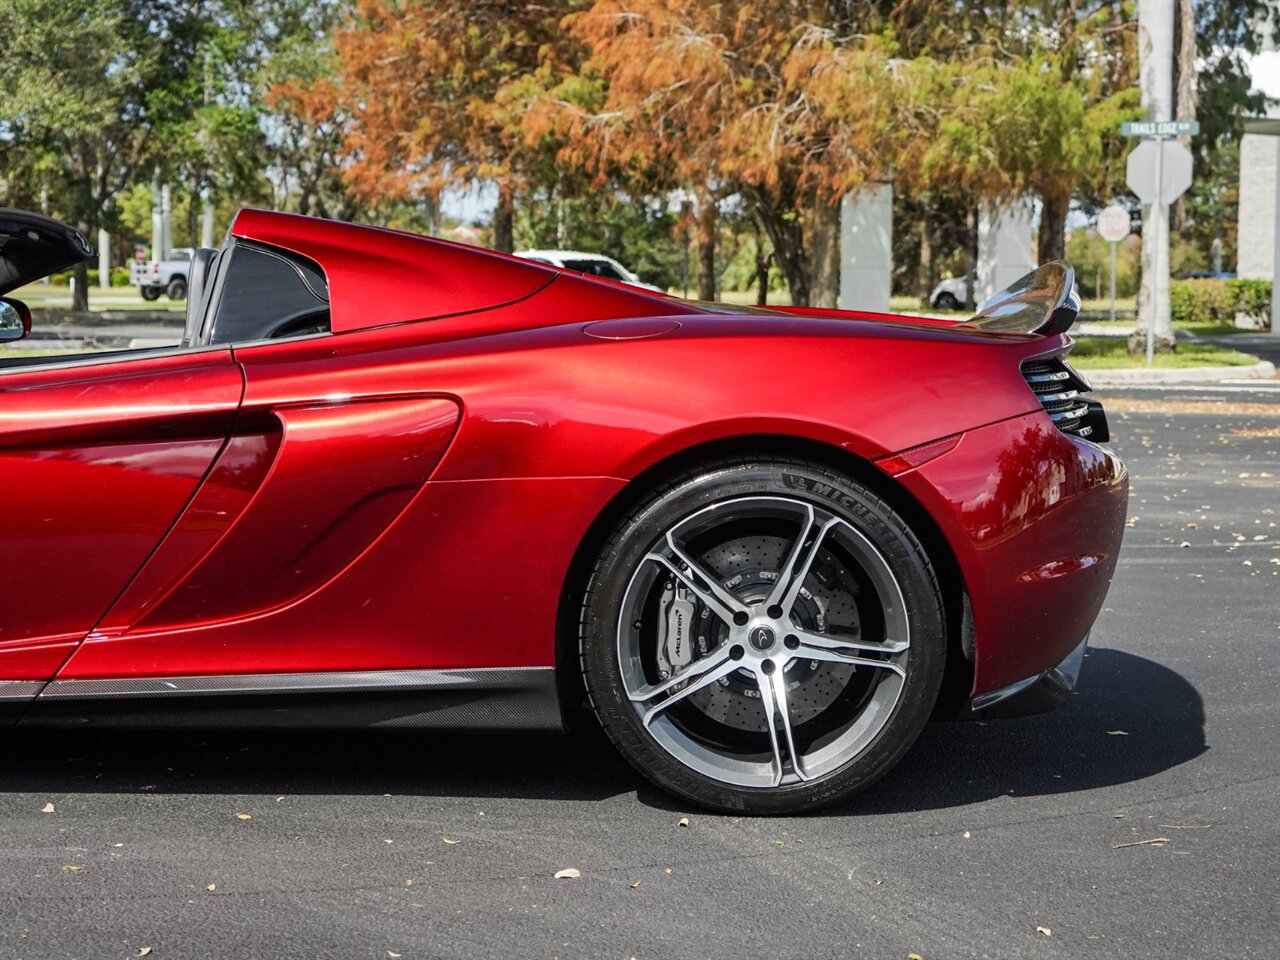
(1155, 70)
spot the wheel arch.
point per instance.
(957, 679)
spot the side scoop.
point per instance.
(1044, 301)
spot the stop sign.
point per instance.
(1113, 223)
(1175, 170)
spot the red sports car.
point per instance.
(386, 480)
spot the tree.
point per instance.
(436, 91)
(736, 98)
(73, 90)
(305, 113)
(94, 96)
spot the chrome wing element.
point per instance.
(1043, 301)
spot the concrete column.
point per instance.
(104, 259)
(166, 221)
(866, 248)
(1005, 251)
(1258, 247)
(206, 221)
(157, 221)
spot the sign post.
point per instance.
(1113, 226)
(1158, 184)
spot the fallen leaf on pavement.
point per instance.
(915, 956)
(568, 873)
(142, 951)
(47, 808)
(450, 840)
(73, 867)
(966, 834)
(1141, 843)
(666, 869)
(634, 885)
(392, 953)
(682, 822)
(212, 887)
(244, 816)
(1045, 930)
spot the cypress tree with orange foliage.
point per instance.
(436, 92)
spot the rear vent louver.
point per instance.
(1064, 394)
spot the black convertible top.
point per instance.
(33, 246)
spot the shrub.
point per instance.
(1251, 297)
(119, 277)
(1201, 302)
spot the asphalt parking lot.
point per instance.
(1141, 820)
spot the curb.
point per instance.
(1264, 370)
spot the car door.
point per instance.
(319, 466)
(98, 456)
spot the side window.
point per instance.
(595, 268)
(265, 293)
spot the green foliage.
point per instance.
(1090, 255)
(1201, 302)
(640, 236)
(1210, 302)
(739, 274)
(1251, 297)
(119, 277)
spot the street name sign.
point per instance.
(1145, 164)
(1113, 223)
(1160, 128)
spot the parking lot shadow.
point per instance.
(1131, 719)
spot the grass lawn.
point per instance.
(1109, 353)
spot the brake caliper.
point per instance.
(676, 628)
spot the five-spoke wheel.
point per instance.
(763, 636)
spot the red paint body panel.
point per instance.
(1035, 520)
(222, 499)
(377, 276)
(96, 462)
(470, 576)
(410, 492)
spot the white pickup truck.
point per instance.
(154, 277)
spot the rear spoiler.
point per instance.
(1044, 301)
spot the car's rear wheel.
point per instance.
(764, 637)
(149, 293)
(947, 301)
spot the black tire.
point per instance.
(149, 293)
(177, 289)
(947, 301)
(733, 522)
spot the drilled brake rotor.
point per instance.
(748, 567)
